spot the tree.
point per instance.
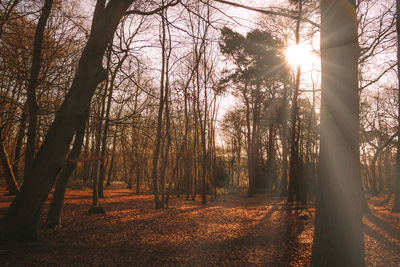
(33, 79)
(8, 171)
(54, 215)
(338, 234)
(396, 206)
(20, 220)
(232, 126)
(9, 7)
(293, 168)
(260, 69)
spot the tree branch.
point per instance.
(152, 12)
(268, 12)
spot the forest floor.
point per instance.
(233, 230)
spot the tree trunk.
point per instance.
(8, 171)
(18, 145)
(157, 148)
(293, 160)
(110, 168)
(249, 146)
(203, 126)
(258, 179)
(396, 206)
(338, 234)
(86, 163)
(284, 134)
(31, 92)
(102, 136)
(20, 220)
(54, 214)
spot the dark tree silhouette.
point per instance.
(396, 206)
(338, 234)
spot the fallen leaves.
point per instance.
(234, 231)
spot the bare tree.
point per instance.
(396, 206)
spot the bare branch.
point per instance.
(152, 12)
(268, 12)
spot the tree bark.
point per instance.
(20, 220)
(293, 160)
(18, 145)
(157, 148)
(284, 134)
(31, 92)
(100, 145)
(8, 171)
(54, 214)
(396, 206)
(338, 234)
(249, 146)
(110, 169)
(86, 164)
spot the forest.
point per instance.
(199, 133)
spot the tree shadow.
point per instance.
(120, 240)
(389, 229)
(294, 225)
(390, 245)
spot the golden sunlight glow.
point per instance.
(299, 55)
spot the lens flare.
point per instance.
(299, 55)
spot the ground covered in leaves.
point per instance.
(233, 230)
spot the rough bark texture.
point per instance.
(157, 148)
(8, 171)
(284, 134)
(20, 220)
(54, 214)
(18, 145)
(396, 206)
(31, 92)
(338, 235)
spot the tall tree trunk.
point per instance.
(102, 173)
(249, 146)
(18, 145)
(21, 218)
(168, 137)
(86, 163)
(284, 135)
(157, 149)
(195, 142)
(102, 135)
(7, 168)
(31, 92)
(293, 160)
(203, 128)
(396, 206)
(54, 214)
(338, 234)
(185, 145)
(110, 169)
(258, 179)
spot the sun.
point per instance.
(299, 55)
